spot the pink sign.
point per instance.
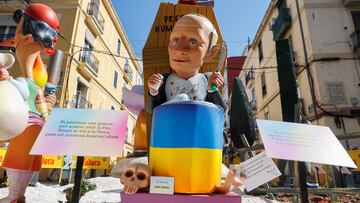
(82, 132)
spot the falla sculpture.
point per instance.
(36, 33)
(187, 117)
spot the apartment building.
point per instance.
(324, 39)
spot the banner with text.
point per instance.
(355, 155)
(94, 162)
(2, 155)
(82, 132)
(52, 161)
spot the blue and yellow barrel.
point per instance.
(186, 143)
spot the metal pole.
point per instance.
(54, 67)
(301, 165)
(341, 177)
(75, 197)
(66, 77)
(302, 182)
(61, 169)
(307, 66)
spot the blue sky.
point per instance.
(237, 19)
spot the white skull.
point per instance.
(135, 177)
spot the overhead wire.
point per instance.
(98, 51)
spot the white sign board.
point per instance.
(301, 142)
(161, 185)
(82, 132)
(258, 170)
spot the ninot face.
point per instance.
(188, 46)
(41, 22)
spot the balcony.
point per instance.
(9, 5)
(4, 37)
(95, 20)
(83, 103)
(282, 23)
(253, 105)
(249, 78)
(91, 62)
(128, 71)
(355, 37)
(351, 3)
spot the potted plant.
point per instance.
(85, 186)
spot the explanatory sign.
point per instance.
(301, 142)
(82, 132)
(258, 170)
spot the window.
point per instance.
(356, 19)
(87, 46)
(336, 93)
(83, 90)
(298, 92)
(127, 64)
(266, 115)
(249, 75)
(126, 135)
(115, 82)
(118, 47)
(89, 37)
(89, 58)
(281, 4)
(263, 84)
(253, 95)
(253, 101)
(7, 32)
(355, 36)
(261, 56)
(87, 52)
(95, 5)
(127, 68)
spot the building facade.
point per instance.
(325, 52)
(98, 58)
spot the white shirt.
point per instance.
(195, 87)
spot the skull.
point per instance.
(135, 177)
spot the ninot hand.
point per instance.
(154, 83)
(4, 74)
(215, 78)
